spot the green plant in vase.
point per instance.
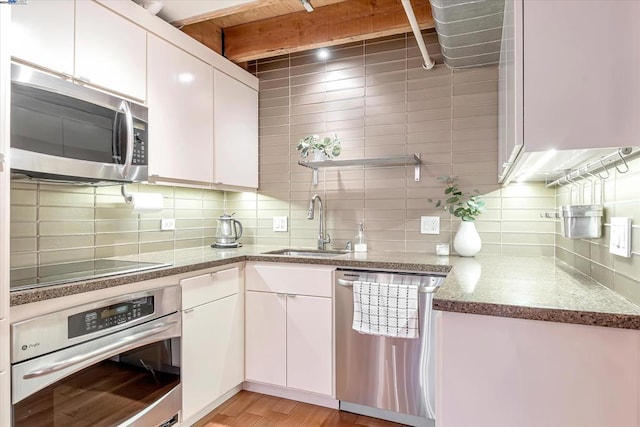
(467, 207)
(329, 146)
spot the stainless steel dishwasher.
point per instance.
(384, 377)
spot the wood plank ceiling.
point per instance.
(266, 28)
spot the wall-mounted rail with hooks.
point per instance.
(379, 161)
(600, 168)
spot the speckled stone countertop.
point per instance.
(538, 288)
(187, 260)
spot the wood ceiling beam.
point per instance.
(207, 33)
(340, 23)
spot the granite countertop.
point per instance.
(538, 288)
(187, 260)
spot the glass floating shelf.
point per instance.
(379, 161)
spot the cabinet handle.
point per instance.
(188, 310)
(83, 79)
(280, 294)
(1, 162)
(292, 295)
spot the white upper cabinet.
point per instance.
(180, 103)
(569, 77)
(42, 34)
(236, 132)
(85, 40)
(110, 50)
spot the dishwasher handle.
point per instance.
(422, 290)
(345, 283)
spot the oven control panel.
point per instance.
(108, 316)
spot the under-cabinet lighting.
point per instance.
(537, 166)
(323, 53)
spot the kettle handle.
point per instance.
(237, 224)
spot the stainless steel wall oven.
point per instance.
(113, 362)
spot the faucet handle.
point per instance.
(349, 246)
(327, 238)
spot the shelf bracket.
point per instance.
(417, 168)
(315, 177)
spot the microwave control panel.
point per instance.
(109, 316)
(140, 149)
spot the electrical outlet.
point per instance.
(168, 224)
(620, 241)
(430, 224)
(279, 223)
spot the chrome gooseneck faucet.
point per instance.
(322, 239)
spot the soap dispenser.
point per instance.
(360, 241)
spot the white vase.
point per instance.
(319, 156)
(467, 241)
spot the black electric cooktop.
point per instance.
(47, 275)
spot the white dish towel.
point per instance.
(385, 309)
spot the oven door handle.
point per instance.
(123, 344)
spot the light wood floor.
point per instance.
(248, 409)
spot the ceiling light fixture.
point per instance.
(307, 5)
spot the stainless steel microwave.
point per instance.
(64, 131)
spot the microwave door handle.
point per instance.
(129, 155)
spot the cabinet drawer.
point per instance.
(210, 287)
(305, 280)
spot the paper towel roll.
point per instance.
(147, 202)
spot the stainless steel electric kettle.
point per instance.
(228, 232)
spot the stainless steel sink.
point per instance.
(307, 253)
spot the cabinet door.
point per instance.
(212, 352)
(42, 34)
(510, 127)
(5, 417)
(266, 338)
(180, 114)
(309, 344)
(574, 99)
(110, 50)
(235, 132)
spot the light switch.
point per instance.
(620, 241)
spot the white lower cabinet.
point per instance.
(266, 338)
(504, 372)
(289, 327)
(309, 339)
(212, 338)
(5, 402)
